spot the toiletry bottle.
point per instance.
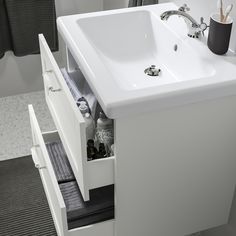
(112, 150)
(83, 108)
(104, 132)
(101, 152)
(90, 126)
(91, 150)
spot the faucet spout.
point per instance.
(165, 16)
(194, 29)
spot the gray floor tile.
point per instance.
(15, 133)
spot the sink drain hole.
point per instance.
(152, 71)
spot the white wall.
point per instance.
(114, 4)
(23, 74)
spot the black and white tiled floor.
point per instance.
(15, 132)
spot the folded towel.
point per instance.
(74, 89)
(22, 21)
(134, 3)
(80, 88)
(99, 208)
(60, 163)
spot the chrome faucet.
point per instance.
(194, 28)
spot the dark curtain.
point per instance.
(134, 3)
(20, 23)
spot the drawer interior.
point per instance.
(79, 213)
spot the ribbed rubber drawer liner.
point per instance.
(80, 213)
(60, 162)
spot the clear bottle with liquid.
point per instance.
(104, 132)
(90, 126)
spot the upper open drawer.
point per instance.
(71, 127)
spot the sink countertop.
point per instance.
(118, 101)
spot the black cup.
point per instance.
(219, 34)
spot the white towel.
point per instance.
(80, 88)
(72, 85)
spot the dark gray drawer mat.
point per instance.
(92, 219)
(60, 162)
(80, 213)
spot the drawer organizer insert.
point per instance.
(79, 213)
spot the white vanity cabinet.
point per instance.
(174, 169)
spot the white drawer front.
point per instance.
(71, 127)
(53, 193)
(51, 187)
(105, 228)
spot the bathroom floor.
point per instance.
(15, 132)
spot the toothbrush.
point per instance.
(227, 12)
(220, 7)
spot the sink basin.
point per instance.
(114, 48)
(128, 43)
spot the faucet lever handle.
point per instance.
(203, 26)
(184, 8)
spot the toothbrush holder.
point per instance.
(219, 34)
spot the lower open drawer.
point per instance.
(56, 202)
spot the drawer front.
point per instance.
(42, 161)
(72, 128)
(67, 117)
(105, 228)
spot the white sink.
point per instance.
(129, 42)
(113, 48)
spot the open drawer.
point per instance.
(71, 127)
(55, 199)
